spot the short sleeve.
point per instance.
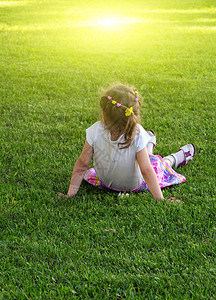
(89, 136)
(91, 133)
(142, 138)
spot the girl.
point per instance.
(123, 150)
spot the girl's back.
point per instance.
(117, 168)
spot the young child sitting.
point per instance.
(123, 151)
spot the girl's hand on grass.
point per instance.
(173, 199)
(60, 196)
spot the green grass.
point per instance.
(51, 68)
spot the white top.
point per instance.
(116, 168)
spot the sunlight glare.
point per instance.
(111, 22)
(13, 3)
(107, 22)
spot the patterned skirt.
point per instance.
(165, 174)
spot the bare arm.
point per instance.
(79, 170)
(149, 173)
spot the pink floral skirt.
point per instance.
(165, 174)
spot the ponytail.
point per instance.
(129, 134)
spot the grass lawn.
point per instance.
(54, 57)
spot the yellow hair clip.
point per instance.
(129, 111)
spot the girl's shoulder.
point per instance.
(141, 137)
(140, 129)
(94, 132)
(97, 125)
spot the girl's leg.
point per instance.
(182, 157)
(151, 144)
(168, 160)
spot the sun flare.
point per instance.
(107, 22)
(112, 22)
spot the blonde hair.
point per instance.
(114, 103)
